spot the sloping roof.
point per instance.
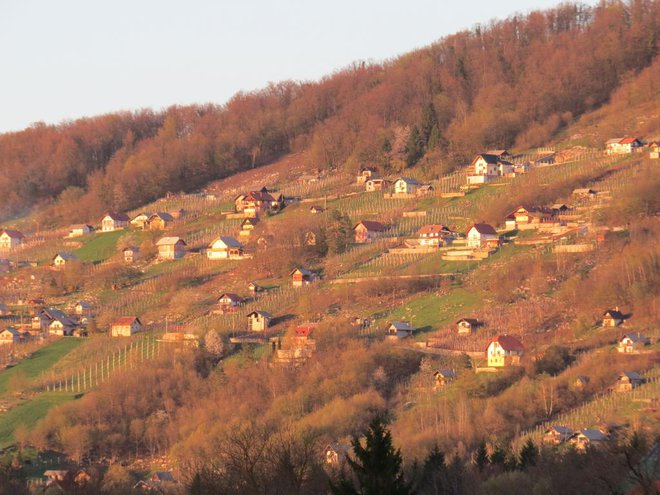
(163, 216)
(402, 326)
(169, 241)
(632, 375)
(259, 196)
(14, 234)
(433, 229)
(12, 330)
(636, 337)
(231, 296)
(508, 343)
(409, 180)
(265, 314)
(162, 476)
(614, 141)
(484, 229)
(58, 315)
(497, 152)
(613, 313)
(135, 249)
(117, 217)
(123, 321)
(66, 256)
(562, 430)
(368, 169)
(471, 321)
(592, 435)
(303, 271)
(488, 158)
(446, 373)
(371, 225)
(629, 140)
(305, 330)
(230, 242)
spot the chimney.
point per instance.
(616, 308)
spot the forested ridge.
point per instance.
(514, 82)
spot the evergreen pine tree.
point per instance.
(414, 147)
(377, 465)
(430, 128)
(528, 455)
(434, 477)
(481, 457)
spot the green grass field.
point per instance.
(431, 311)
(29, 414)
(100, 247)
(40, 361)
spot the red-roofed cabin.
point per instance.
(433, 235)
(367, 231)
(504, 350)
(125, 326)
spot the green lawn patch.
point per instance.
(30, 413)
(39, 362)
(431, 311)
(100, 247)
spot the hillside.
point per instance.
(474, 90)
(471, 312)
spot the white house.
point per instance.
(80, 230)
(224, 247)
(632, 343)
(482, 235)
(114, 221)
(504, 350)
(10, 239)
(406, 185)
(125, 326)
(61, 259)
(433, 235)
(622, 146)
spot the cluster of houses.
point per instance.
(50, 321)
(403, 187)
(255, 203)
(76, 480)
(627, 145)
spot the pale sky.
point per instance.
(64, 59)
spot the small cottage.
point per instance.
(623, 146)
(485, 165)
(406, 185)
(310, 238)
(259, 321)
(125, 326)
(400, 329)
(654, 150)
(434, 235)
(584, 192)
(335, 454)
(632, 343)
(248, 225)
(466, 326)
(557, 434)
(527, 215)
(228, 303)
(316, 209)
(171, 248)
(612, 318)
(82, 308)
(80, 230)
(10, 336)
(376, 185)
(140, 221)
(10, 239)
(482, 235)
(301, 277)
(504, 350)
(367, 231)
(60, 260)
(580, 382)
(131, 254)
(224, 247)
(114, 221)
(160, 220)
(366, 174)
(628, 380)
(254, 288)
(443, 377)
(585, 439)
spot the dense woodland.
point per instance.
(512, 82)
